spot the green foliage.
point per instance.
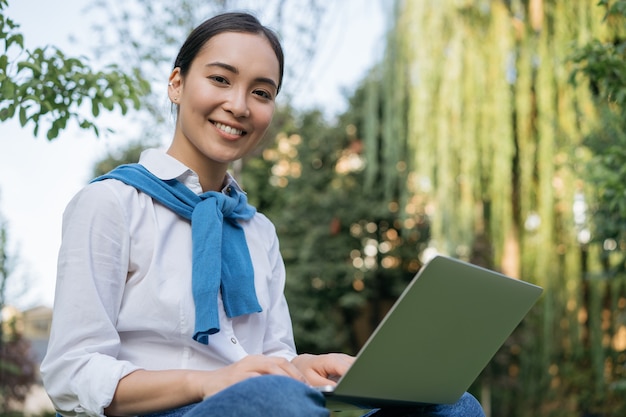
(346, 251)
(493, 133)
(606, 174)
(17, 369)
(614, 8)
(44, 87)
(602, 64)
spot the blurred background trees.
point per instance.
(492, 131)
(502, 112)
(17, 366)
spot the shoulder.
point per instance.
(261, 230)
(105, 190)
(262, 223)
(106, 197)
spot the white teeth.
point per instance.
(228, 129)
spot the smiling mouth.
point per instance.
(228, 129)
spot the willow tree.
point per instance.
(482, 129)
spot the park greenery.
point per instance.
(492, 131)
(45, 86)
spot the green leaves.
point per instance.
(603, 62)
(613, 9)
(44, 88)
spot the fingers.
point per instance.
(210, 382)
(323, 369)
(268, 365)
(313, 370)
(335, 365)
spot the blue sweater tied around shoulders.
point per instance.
(221, 259)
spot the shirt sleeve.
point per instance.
(80, 371)
(278, 340)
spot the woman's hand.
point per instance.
(322, 370)
(250, 366)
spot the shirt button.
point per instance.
(232, 339)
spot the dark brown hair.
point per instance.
(227, 22)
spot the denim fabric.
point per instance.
(278, 396)
(267, 395)
(177, 412)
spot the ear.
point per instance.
(174, 86)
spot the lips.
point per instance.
(229, 129)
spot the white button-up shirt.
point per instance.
(123, 298)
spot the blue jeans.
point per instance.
(279, 396)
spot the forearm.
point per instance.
(142, 391)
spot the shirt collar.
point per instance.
(166, 167)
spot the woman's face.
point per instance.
(225, 101)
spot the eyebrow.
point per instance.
(234, 70)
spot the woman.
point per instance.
(170, 286)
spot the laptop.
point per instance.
(436, 339)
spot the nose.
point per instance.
(237, 103)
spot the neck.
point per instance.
(210, 173)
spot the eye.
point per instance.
(219, 79)
(263, 94)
